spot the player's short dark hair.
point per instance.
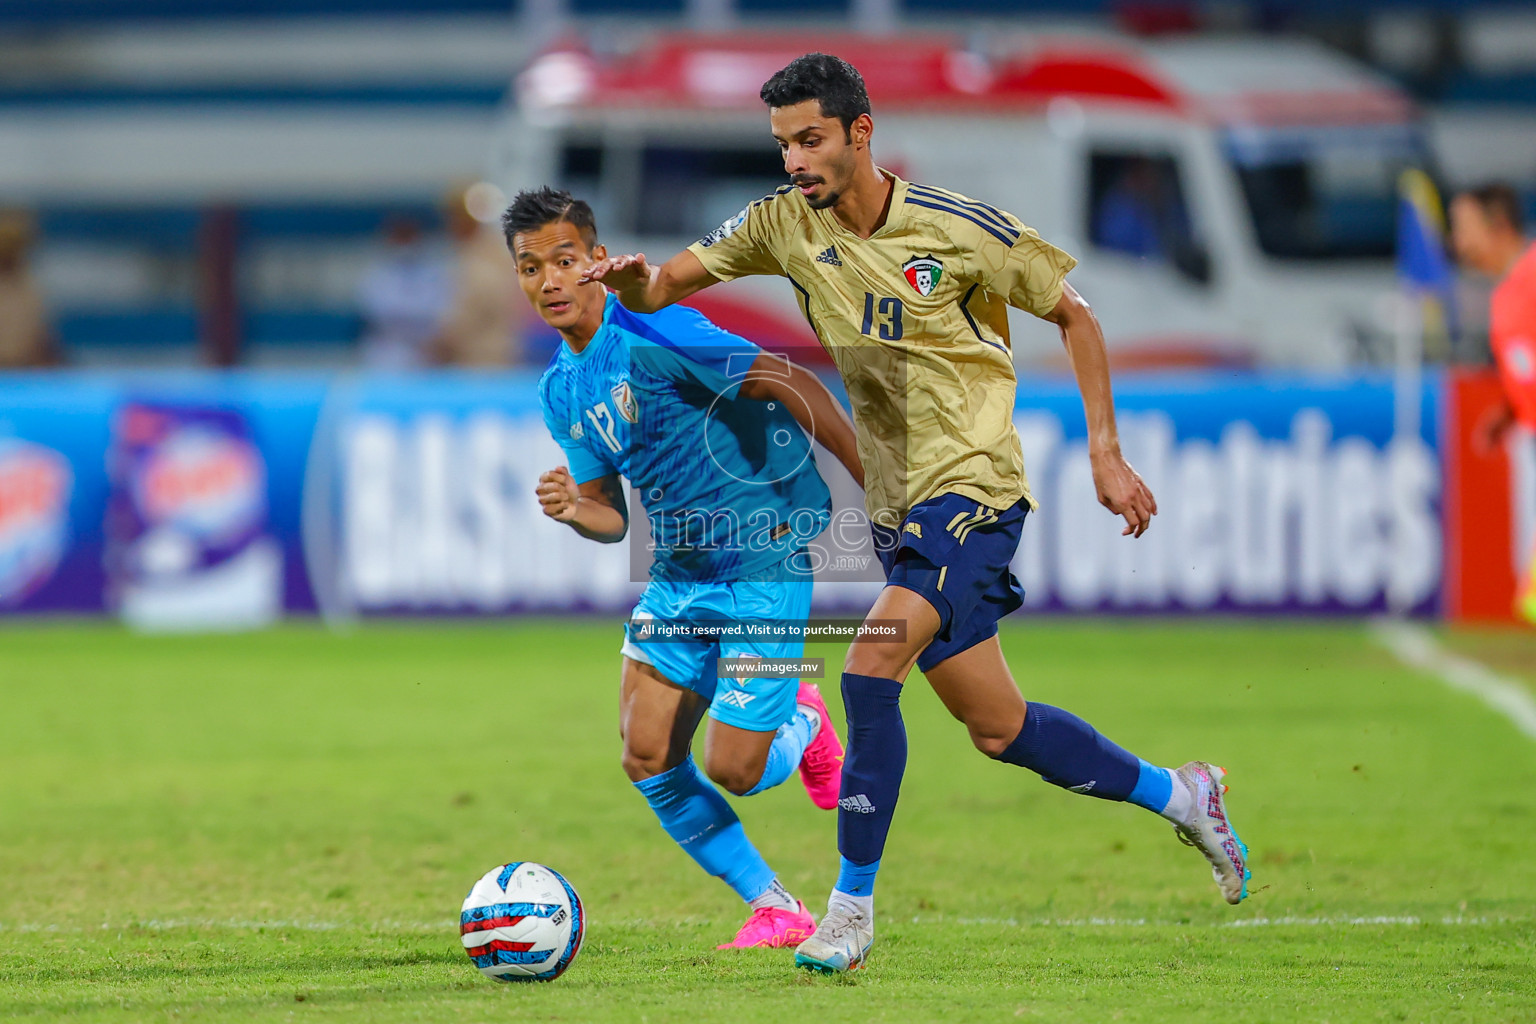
(830, 81)
(1499, 201)
(533, 208)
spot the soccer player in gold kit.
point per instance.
(906, 286)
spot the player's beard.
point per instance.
(826, 201)
(842, 170)
(829, 199)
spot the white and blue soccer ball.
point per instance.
(522, 922)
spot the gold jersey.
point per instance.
(916, 319)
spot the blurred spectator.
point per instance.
(1142, 213)
(25, 337)
(480, 329)
(404, 297)
(1487, 232)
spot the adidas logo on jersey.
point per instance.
(830, 256)
(857, 804)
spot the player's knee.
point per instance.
(735, 777)
(991, 742)
(734, 782)
(993, 736)
(640, 764)
(883, 661)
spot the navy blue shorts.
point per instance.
(955, 552)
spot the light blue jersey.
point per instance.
(732, 495)
(729, 484)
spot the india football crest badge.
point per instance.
(923, 273)
(624, 401)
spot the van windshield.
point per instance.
(1319, 193)
(664, 187)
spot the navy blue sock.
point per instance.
(872, 768)
(1068, 752)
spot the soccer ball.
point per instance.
(522, 922)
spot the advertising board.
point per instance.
(414, 495)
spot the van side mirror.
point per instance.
(1193, 260)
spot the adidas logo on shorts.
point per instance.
(858, 804)
(830, 256)
(736, 698)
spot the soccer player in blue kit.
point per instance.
(707, 428)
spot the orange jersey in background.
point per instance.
(1512, 335)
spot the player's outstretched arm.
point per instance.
(644, 288)
(775, 378)
(595, 509)
(1121, 489)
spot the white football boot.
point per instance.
(840, 943)
(1208, 830)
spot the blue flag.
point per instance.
(1422, 264)
(1423, 268)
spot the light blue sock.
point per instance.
(696, 815)
(788, 746)
(1154, 788)
(856, 879)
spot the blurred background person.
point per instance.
(1141, 214)
(1488, 235)
(479, 328)
(404, 296)
(26, 339)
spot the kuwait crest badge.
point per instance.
(923, 273)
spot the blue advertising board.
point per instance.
(1275, 494)
(414, 495)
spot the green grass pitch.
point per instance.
(281, 826)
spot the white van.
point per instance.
(1230, 202)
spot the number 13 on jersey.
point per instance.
(884, 314)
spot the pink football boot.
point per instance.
(771, 928)
(821, 766)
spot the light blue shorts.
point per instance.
(757, 705)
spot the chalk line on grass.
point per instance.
(1416, 647)
(451, 927)
(1339, 921)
